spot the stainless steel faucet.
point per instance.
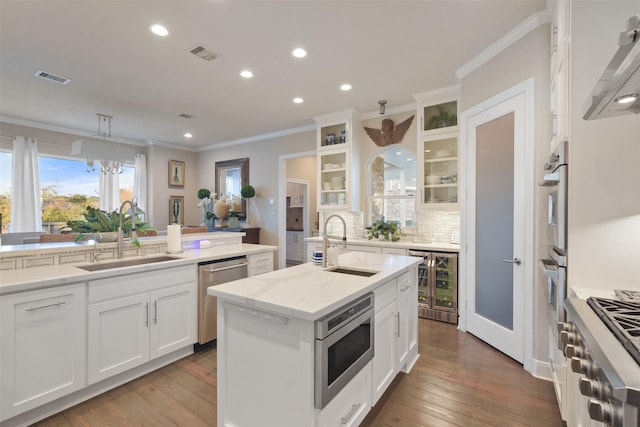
(133, 205)
(325, 253)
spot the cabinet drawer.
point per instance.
(363, 248)
(394, 251)
(261, 260)
(384, 295)
(351, 405)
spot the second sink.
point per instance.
(352, 271)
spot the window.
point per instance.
(66, 188)
(393, 186)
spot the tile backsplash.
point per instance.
(431, 226)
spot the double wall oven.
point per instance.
(554, 265)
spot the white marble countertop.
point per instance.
(43, 248)
(584, 293)
(55, 275)
(309, 291)
(403, 244)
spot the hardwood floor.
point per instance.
(458, 381)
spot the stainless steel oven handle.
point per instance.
(549, 269)
(215, 270)
(353, 410)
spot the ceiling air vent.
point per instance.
(52, 77)
(204, 53)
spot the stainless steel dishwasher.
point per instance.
(212, 273)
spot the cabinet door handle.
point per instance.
(146, 317)
(155, 312)
(398, 333)
(55, 304)
(353, 410)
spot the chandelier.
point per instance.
(107, 152)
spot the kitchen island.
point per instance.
(268, 355)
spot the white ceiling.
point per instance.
(385, 49)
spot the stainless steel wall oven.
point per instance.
(555, 266)
(343, 346)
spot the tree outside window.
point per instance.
(66, 189)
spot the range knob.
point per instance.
(572, 351)
(569, 337)
(565, 326)
(579, 365)
(590, 388)
(601, 411)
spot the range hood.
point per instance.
(620, 80)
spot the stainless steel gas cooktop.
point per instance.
(623, 319)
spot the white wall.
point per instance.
(604, 158)
(263, 174)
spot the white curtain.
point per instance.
(26, 206)
(140, 183)
(109, 191)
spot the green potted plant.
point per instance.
(247, 192)
(99, 223)
(389, 230)
(444, 118)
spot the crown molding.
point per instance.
(522, 29)
(261, 137)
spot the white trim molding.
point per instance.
(522, 29)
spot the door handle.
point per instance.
(516, 261)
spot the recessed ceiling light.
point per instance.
(299, 52)
(345, 87)
(627, 99)
(159, 30)
(298, 100)
(188, 135)
(246, 74)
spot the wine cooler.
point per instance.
(437, 285)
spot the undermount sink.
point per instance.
(352, 271)
(126, 263)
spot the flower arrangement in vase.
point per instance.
(206, 203)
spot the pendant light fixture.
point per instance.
(106, 152)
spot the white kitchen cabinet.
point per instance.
(559, 72)
(295, 192)
(438, 149)
(384, 363)
(260, 263)
(351, 405)
(136, 318)
(42, 354)
(338, 161)
(295, 246)
(363, 248)
(394, 251)
(405, 319)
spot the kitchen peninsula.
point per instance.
(71, 329)
(270, 358)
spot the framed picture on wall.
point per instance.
(176, 210)
(176, 173)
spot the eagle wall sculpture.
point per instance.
(389, 134)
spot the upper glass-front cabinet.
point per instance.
(338, 186)
(438, 149)
(440, 177)
(439, 116)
